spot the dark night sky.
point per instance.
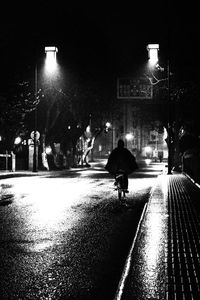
(103, 40)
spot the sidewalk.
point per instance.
(164, 260)
(8, 174)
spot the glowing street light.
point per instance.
(153, 53)
(51, 64)
(108, 124)
(48, 150)
(129, 136)
(17, 140)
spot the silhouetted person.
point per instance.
(121, 160)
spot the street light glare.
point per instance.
(17, 140)
(48, 150)
(129, 136)
(153, 57)
(108, 124)
(51, 59)
(153, 53)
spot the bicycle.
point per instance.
(119, 183)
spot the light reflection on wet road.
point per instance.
(43, 230)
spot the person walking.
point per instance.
(121, 160)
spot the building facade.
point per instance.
(133, 121)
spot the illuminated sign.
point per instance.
(130, 88)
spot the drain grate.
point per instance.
(183, 242)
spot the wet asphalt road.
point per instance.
(67, 237)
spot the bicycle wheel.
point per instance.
(119, 193)
(120, 189)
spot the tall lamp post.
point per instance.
(35, 126)
(169, 122)
(153, 60)
(50, 68)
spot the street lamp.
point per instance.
(51, 64)
(153, 60)
(169, 122)
(153, 53)
(110, 127)
(50, 68)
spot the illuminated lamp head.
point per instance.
(153, 54)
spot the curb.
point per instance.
(127, 265)
(126, 270)
(191, 179)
